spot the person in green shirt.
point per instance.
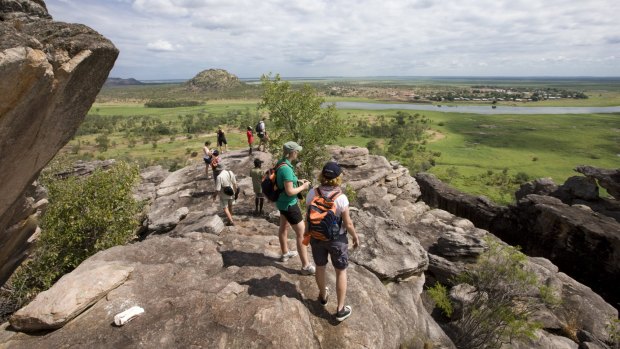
(257, 177)
(290, 213)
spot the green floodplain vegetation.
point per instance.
(472, 146)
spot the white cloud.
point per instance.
(356, 37)
(160, 45)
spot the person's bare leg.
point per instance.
(341, 287)
(319, 276)
(228, 214)
(301, 248)
(282, 234)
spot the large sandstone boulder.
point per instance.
(50, 74)
(70, 296)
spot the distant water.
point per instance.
(477, 109)
(165, 81)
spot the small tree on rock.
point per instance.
(297, 115)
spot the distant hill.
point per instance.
(122, 82)
(214, 80)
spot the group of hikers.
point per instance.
(327, 223)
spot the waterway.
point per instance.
(477, 109)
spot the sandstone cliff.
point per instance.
(50, 74)
(569, 224)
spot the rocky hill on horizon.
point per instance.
(122, 82)
(214, 80)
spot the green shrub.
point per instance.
(501, 306)
(84, 216)
(439, 294)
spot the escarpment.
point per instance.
(568, 224)
(50, 74)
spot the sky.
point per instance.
(176, 39)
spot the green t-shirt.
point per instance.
(285, 174)
(257, 178)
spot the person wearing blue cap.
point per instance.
(287, 204)
(338, 247)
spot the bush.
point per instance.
(500, 309)
(84, 216)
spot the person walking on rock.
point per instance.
(226, 187)
(215, 160)
(257, 177)
(221, 140)
(287, 204)
(250, 138)
(207, 157)
(329, 194)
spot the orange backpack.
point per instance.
(323, 224)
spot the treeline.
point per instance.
(171, 104)
(406, 135)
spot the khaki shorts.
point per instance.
(225, 199)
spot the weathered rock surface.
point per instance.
(608, 179)
(478, 209)
(71, 295)
(203, 284)
(583, 242)
(50, 74)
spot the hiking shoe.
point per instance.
(288, 255)
(344, 313)
(323, 301)
(308, 270)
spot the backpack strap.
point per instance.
(331, 196)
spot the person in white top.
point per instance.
(226, 187)
(338, 248)
(207, 157)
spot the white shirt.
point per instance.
(342, 202)
(225, 179)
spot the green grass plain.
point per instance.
(538, 145)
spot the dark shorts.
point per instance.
(338, 250)
(221, 141)
(293, 214)
(207, 160)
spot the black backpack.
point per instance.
(269, 184)
(260, 127)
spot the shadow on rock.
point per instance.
(253, 259)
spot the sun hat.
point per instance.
(291, 146)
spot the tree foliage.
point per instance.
(297, 115)
(406, 135)
(84, 216)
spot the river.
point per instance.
(478, 109)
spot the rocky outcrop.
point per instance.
(478, 209)
(226, 287)
(214, 80)
(608, 179)
(567, 224)
(50, 74)
(583, 243)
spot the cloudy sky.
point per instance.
(175, 39)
